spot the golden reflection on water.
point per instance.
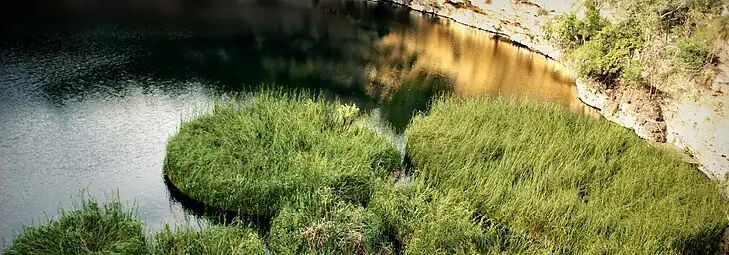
(475, 62)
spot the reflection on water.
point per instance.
(475, 62)
(91, 91)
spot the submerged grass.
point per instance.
(250, 160)
(233, 239)
(570, 184)
(89, 229)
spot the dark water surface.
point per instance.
(90, 91)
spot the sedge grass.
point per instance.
(90, 228)
(231, 239)
(321, 224)
(579, 185)
(251, 160)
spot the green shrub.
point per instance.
(323, 225)
(569, 32)
(695, 52)
(232, 239)
(669, 14)
(89, 229)
(279, 146)
(606, 56)
(574, 184)
(631, 74)
(542, 12)
(601, 50)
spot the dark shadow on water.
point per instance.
(215, 215)
(239, 56)
(229, 56)
(414, 96)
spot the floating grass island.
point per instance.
(488, 176)
(276, 149)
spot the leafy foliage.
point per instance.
(347, 113)
(601, 50)
(695, 52)
(570, 32)
(612, 52)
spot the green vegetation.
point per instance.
(111, 228)
(423, 220)
(678, 34)
(278, 147)
(694, 53)
(489, 176)
(347, 113)
(232, 239)
(89, 229)
(568, 183)
(321, 224)
(601, 50)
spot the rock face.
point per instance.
(497, 17)
(696, 125)
(630, 108)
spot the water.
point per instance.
(91, 91)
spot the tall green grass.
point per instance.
(90, 228)
(111, 228)
(321, 224)
(277, 147)
(233, 239)
(567, 183)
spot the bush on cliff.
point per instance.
(600, 50)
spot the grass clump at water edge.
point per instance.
(89, 228)
(278, 147)
(568, 183)
(232, 239)
(320, 224)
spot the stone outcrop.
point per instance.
(630, 108)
